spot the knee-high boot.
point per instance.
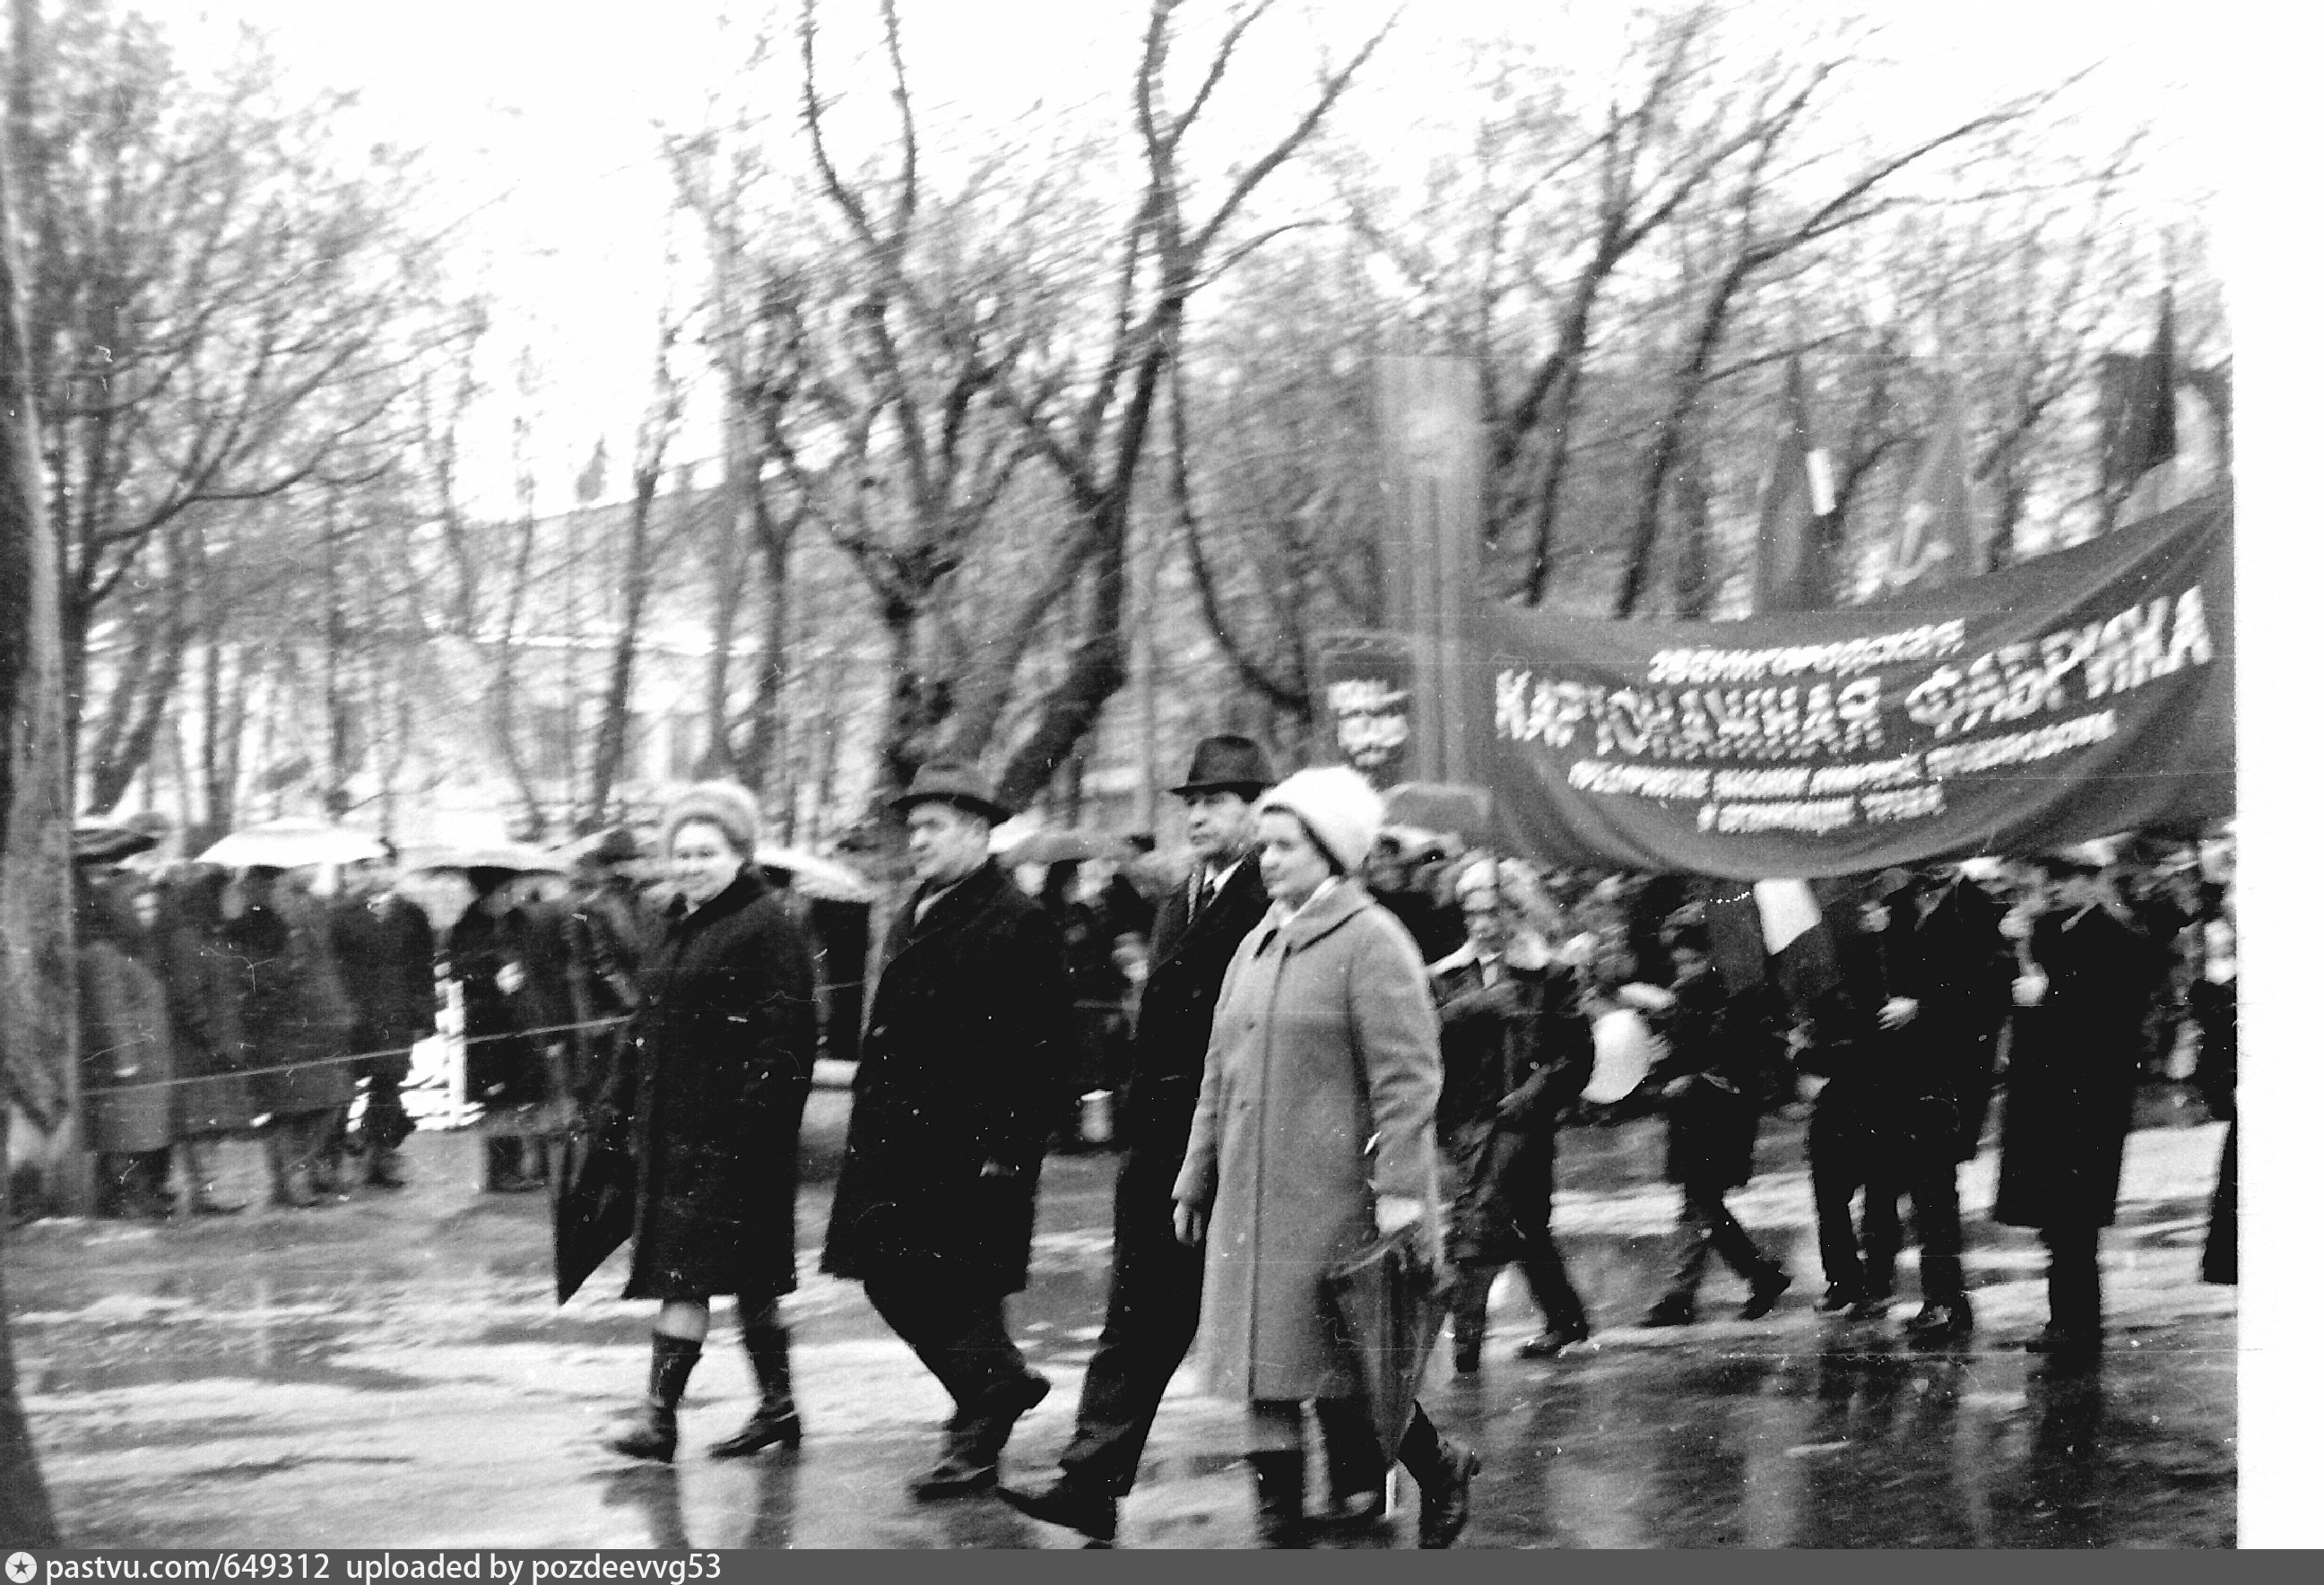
(652, 1430)
(1280, 1478)
(776, 1419)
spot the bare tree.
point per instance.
(645, 543)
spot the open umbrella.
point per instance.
(1065, 847)
(818, 877)
(1390, 1303)
(97, 843)
(520, 857)
(292, 842)
(1450, 806)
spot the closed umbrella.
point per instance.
(292, 842)
(1065, 847)
(1391, 1303)
(595, 1205)
(818, 877)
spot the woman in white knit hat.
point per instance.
(1325, 1040)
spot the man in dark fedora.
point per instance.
(962, 1050)
(1156, 1296)
(609, 932)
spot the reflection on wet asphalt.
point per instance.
(391, 1371)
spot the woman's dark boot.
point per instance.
(1444, 1469)
(776, 1419)
(652, 1431)
(1281, 1479)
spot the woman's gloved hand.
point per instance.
(1397, 1211)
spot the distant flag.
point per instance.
(1790, 575)
(1936, 535)
(2138, 419)
(591, 485)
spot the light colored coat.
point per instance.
(1324, 1043)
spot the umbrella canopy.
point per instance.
(292, 842)
(1065, 847)
(97, 843)
(818, 877)
(1391, 1305)
(1448, 806)
(520, 857)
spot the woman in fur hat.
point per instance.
(1324, 1039)
(714, 1082)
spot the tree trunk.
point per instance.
(613, 721)
(763, 722)
(38, 1055)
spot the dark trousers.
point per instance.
(1931, 1180)
(2219, 1263)
(962, 1338)
(1705, 1225)
(1545, 1273)
(1152, 1306)
(1839, 1162)
(1912, 1159)
(380, 1083)
(2074, 1303)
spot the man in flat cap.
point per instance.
(965, 1046)
(1156, 1296)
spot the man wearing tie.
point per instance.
(1156, 1295)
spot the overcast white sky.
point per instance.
(539, 114)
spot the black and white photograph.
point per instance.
(1147, 774)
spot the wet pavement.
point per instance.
(391, 1371)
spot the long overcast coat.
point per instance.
(724, 1051)
(204, 979)
(295, 1014)
(1325, 1035)
(2073, 1073)
(968, 1034)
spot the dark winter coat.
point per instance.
(507, 1068)
(204, 981)
(963, 1048)
(386, 954)
(1509, 1073)
(605, 950)
(1189, 958)
(1959, 970)
(1724, 1043)
(724, 1047)
(126, 1052)
(295, 1013)
(2073, 1073)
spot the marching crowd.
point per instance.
(1332, 1032)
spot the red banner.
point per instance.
(2083, 693)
